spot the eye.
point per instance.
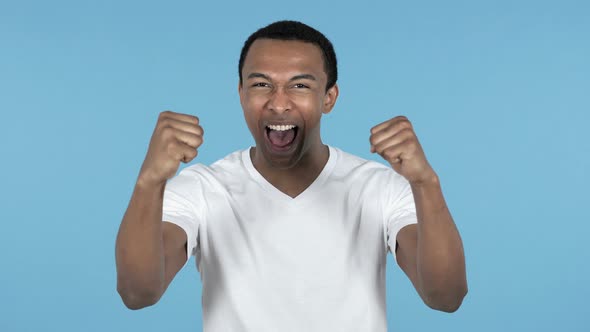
(260, 85)
(300, 86)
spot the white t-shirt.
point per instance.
(269, 262)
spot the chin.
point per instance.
(282, 162)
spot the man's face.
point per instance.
(283, 95)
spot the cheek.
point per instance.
(252, 108)
(251, 118)
(311, 108)
(253, 103)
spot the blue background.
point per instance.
(498, 91)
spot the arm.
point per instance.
(150, 252)
(431, 252)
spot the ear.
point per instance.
(240, 91)
(330, 99)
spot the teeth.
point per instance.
(281, 127)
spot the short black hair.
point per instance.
(293, 30)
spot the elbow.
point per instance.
(446, 301)
(136, 300)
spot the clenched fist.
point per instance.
(175, 139)
(396, 142)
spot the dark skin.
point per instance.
(430, 252)
(285, 84)
(150, 252)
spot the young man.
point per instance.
(292, 234)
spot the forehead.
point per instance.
(283, 56)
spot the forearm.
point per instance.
(440, 258)
(139, 247)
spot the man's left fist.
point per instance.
(396, 142)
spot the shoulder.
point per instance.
(233, 162)
(369, 174)
(222, 170)
(350, 164)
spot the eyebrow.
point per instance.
(294, 78)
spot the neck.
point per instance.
(293, 180)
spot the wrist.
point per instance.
(147, 181)
(429, 180)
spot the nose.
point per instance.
(279, 101)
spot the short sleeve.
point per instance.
(399, 209)
(183, 202)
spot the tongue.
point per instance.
(281, 138)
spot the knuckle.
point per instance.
(407, 132)
(378, 146)
(390, 126)
(389, 153)
(190, 157)
(171, 146)
(199, 140)
(192, 141)
(401, 126)
(167, 131)
(164, 122)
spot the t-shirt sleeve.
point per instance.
(399, 209)
(183, 206)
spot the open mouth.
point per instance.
(281, 137)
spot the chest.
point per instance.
(336, 229)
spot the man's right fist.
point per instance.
(175, 139)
